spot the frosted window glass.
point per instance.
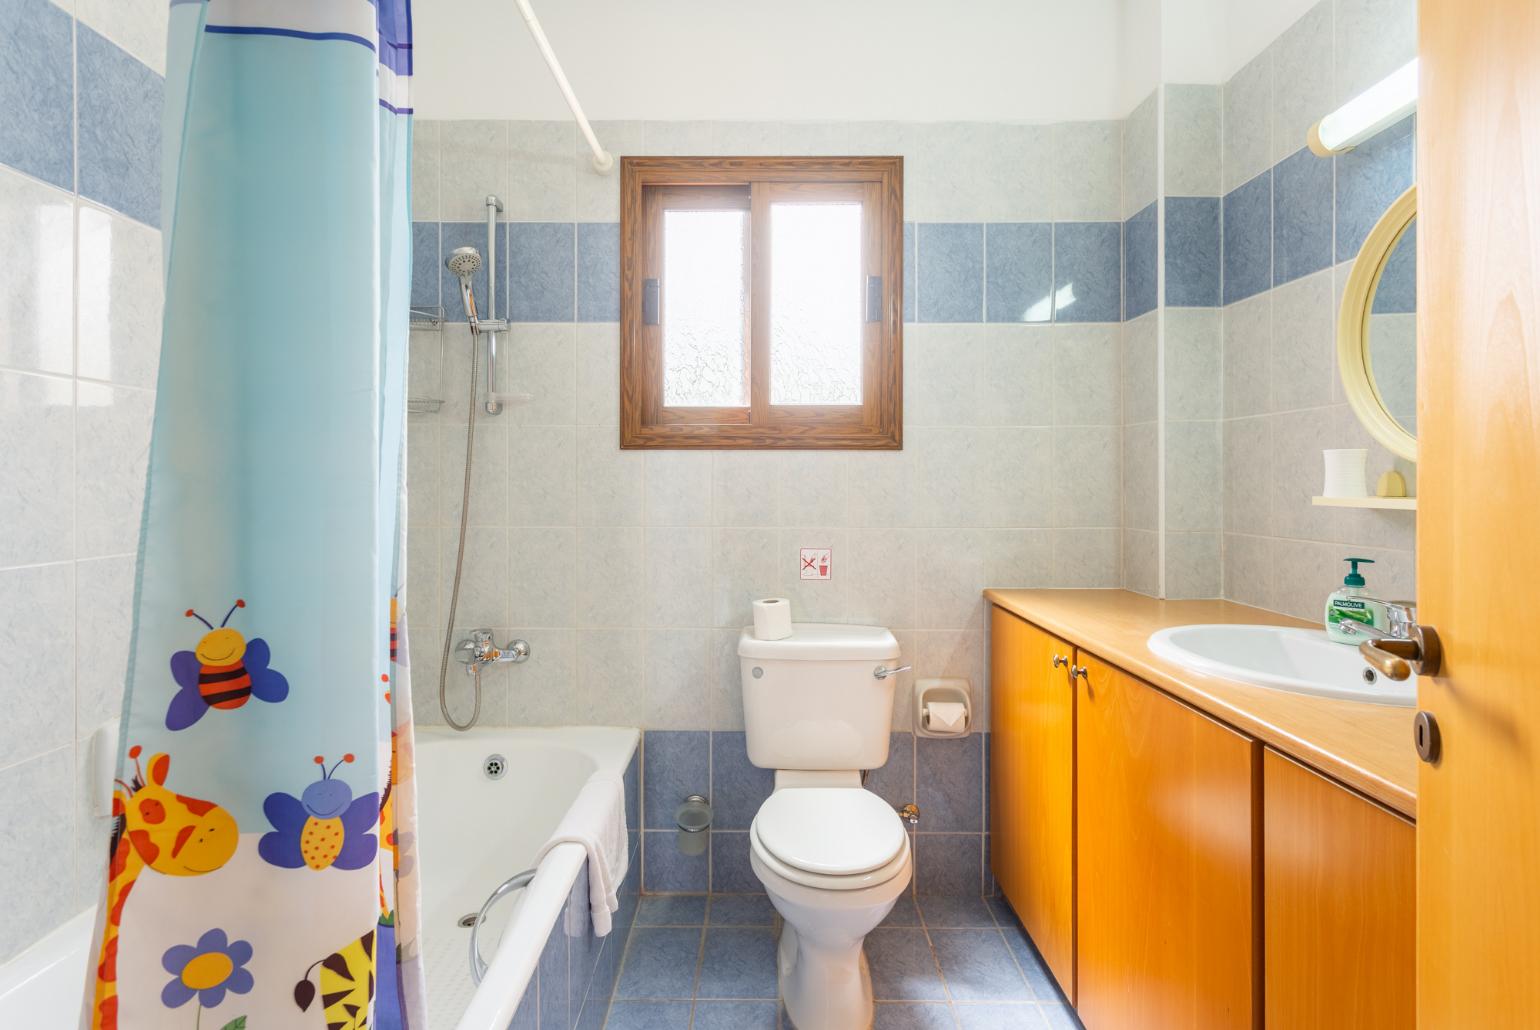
(703, 308)
(815, 303)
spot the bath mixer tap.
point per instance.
(481, 651)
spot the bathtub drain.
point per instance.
(494, 766)
(468, 920)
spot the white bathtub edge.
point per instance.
(35, 985)
(518, 955)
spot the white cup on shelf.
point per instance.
(1345, 472)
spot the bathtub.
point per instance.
(545, 965)
(474, 833)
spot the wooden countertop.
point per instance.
(1368, 747)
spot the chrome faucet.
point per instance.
(480, 651)
(1402, 616)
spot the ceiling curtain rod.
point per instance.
(603, 160)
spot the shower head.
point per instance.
(463, 262)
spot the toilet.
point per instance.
(833, 856)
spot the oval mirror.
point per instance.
(1377, 330)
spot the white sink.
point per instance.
(1304, 661)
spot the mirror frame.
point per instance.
(1353, 361)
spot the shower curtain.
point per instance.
(261, 869)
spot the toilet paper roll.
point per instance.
(946, 717)
(772, 618)
(1345, 472)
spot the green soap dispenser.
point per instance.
(1349, 604)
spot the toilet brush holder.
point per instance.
(693, 818)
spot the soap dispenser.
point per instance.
(1349, 604)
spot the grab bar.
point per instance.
(517, 881)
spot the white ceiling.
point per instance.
(805, 60)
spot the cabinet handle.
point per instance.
(1080, 672)
(1059, 661)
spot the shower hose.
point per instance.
(454, 594)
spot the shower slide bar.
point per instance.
(603, 160)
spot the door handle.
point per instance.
(1397, 658)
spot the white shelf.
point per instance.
(1390, 503)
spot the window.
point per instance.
(761, 302)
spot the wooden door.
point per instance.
(1478, 545)
(1339, 906)
(1165, 880)
(1032, 788)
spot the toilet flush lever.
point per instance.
(882, 672)
(910, 814)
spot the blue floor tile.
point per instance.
(672, 910)
(904, 913)
(912, 1016)
(1023, 1016)
(649, 1015)
(660, 963)
(741, 910)
(949, 912)
(978, 966)
(1060, 1017)
(735, 1015)
(1032, 966)
(903, 968)
(738, 963)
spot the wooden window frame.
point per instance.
(647, 186)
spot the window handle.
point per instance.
(874, 298)
(649, 302)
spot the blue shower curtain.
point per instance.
(261, 871)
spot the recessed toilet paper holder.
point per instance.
(952, 699)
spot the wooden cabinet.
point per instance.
(1339, 905)
(1166, 867)
(1032, 768)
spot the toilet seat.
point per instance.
(830, 838)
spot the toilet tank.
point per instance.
(812, 701)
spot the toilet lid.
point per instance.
(837, 831)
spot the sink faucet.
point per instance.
(1402, 615)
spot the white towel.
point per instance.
(597, 821)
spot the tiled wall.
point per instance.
(1293, 223)
(80, 305)
(946, 778)
(572, 984)
(630, 572)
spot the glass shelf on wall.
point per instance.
(425, 319)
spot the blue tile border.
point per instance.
(1248, 238)
(1369, 177)
(541, 271)
(1019, 271)
(598, 271)
(37, 91)
(1192, 252)
(951, 271)
(1141, 246)
(119, 117)
(453, 235)
(1302, 215)
(1088, 271)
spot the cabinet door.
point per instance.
(1339, 908)
(1166, 863)
(1032, 788)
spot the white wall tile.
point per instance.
(611, 683)
(489, 493)
(1087, 375)
(542, 585)
(103, 620)
(1088, 171)
(543, 690)
(473, 162)
(112, 454)
(37, 660)
(678, 673)
(542, 476)
(744, 568)
(1194, 565)
(1303, 71)
(609, 480)
(1087, 476)
(1194, 141)
(677, 488)
(37, 868)
(540, 359)
(1141, 561)
(37, 231)
(745, 488)
(1248, 121)
(879, 569)
(1193, 464)
(611, 581)
(1304, 343)
(598, 193)
(1140, 174)
(1248, 341)
(1140, 353)
(542, 178)
(678, 574)
(1373, 39)
(37, 464)
(598, 375)
(1194, 363)
(425, 169)
(1087, 557)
